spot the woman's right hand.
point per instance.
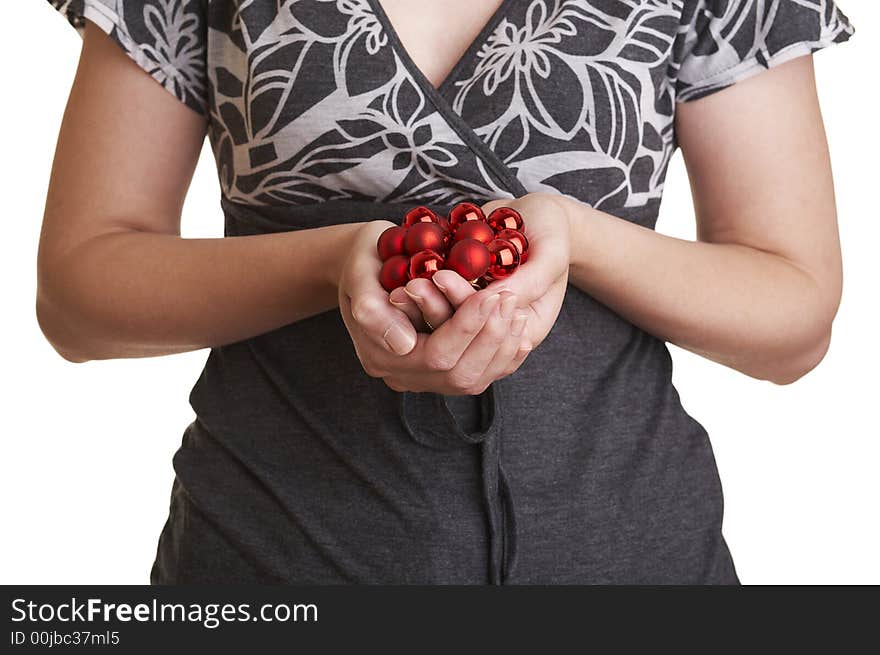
(481, 343)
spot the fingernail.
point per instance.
(398, 339)
(415, 297)
(397, 303)
(508, 305)
(518, 325)
(489, 303)
(438, 282)
(523, 351)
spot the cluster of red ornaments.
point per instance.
(480, 248)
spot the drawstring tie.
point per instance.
(429, 422)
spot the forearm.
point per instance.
(138, 294)
(751, 310)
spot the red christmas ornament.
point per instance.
(469, 258)
(424, 264)
(394, 273)
(425, 236)
(420, 214)
(464, 212)
(505, 218)
(391, 242)
(505, 259)
(478, 230)
(518, 239)
(479, 249)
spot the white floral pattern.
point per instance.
(363, 21)
(586, 96)
(177, 49)
(315, 100)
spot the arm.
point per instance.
(116, 280)
(759, 289)
(114, 277)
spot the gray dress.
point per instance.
(581, 467)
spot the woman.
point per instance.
(528, 432)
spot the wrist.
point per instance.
(339, 250)
(569, 210)
(581, 221)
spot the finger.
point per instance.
(376, 359)
(382, 322)
(447, 343)
(512, 353)
(399, 298)
(467, 375)
(502, 363)
(521, 354)
(530, 281)
(498, 366)
(454, 287)
(370, 309)
(419, 381)
(433, 304)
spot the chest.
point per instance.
(435, 103)
(437, 34)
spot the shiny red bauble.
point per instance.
(391, 242)
(518, 239)
(505, 218)
(478, 230)
(469, 258)
(505, 259)
(395, 272)
(425, 236)
(478, 248)
(420, 214)
(424, 264)
(464, 212)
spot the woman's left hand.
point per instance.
(539, 284)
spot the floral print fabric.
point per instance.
(315, 100)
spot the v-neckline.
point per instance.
(466, 57)
(438, 95)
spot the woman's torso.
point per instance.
(582, 466)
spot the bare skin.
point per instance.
(759, 289)
(756, 292)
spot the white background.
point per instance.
(86, 449)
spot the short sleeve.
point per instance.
(166, 38)
(726, 41)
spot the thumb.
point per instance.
(531, 280)
(454, 287)
(371, 308)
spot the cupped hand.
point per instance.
(539, 284)
(478, 345)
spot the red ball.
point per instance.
(469, 258)
(420, 214)
(505, 218)
(394, 273)
(475, 230)
(505, 259)
(390, 242)
(517, 238)
(464, 212)
(425, 236)
(424, 264)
